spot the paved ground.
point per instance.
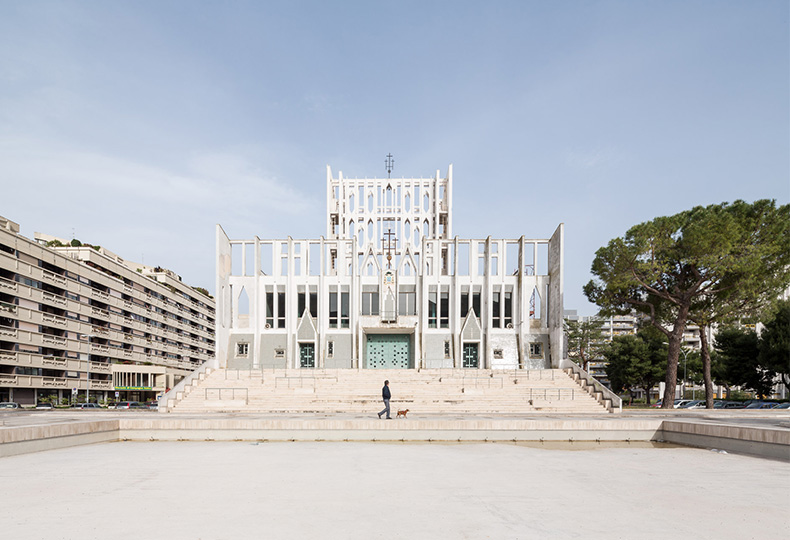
(389, 491)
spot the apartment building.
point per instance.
(620, 325)
(78, 320)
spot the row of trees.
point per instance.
(740, 357)
(717, 264)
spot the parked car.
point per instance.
(89, 406)
(734, 405)
(721, 404)
(761, 405)
(44, 407)
(785, 405)
(694, 404)
(679, 403)
(9, 405)
(153, 405)
(129, 405)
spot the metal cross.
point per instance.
(389, 234)
(389, 162)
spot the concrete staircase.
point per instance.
(428, 391)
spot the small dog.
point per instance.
(402, 413)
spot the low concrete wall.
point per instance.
(760, 441)
(27, 439)
(770, 442)
(254, 429)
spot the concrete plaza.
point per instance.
(229, 490)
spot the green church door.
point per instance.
(388, 351)
(470, 355)
(306, 355)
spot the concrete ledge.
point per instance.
(27, 439)
(254, 429)
(764, 441)
(769, 442)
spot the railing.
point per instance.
(223, 394)
(53, 340)
(100, 367)
(532, 374)
(54, 361)
(289, 380)
(617, 403)
(6, 284)
(181, 386)
(54, 319)
(54, 299)
(8, 332)
(549, 394)
(100, 294)
(483, 381)
(60, 280)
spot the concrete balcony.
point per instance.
(9, 333)
(54, 299)
(56, 341)
(53, 278)
(54, 362)
(101, 349)
(48, 318)
(97, 367)
(8, 286)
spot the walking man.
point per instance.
(386, 395)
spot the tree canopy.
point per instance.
(585, 340)
(673, 267)
(774, 344)
(636, 360)
(738, 351)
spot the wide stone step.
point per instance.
(429, 391)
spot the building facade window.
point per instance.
(407, 303)
(280, 310)
(432, 315)
(444, 307)
(370, 303)
(269, 310)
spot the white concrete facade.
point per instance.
(389, 286)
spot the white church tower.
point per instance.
(389, 287)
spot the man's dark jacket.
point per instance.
(385, 392)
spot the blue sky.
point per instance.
(140, 125)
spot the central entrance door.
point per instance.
(306, 355)
(470, 355)
(388, 351)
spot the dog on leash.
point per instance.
(402, 413)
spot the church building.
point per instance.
(389, 286)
